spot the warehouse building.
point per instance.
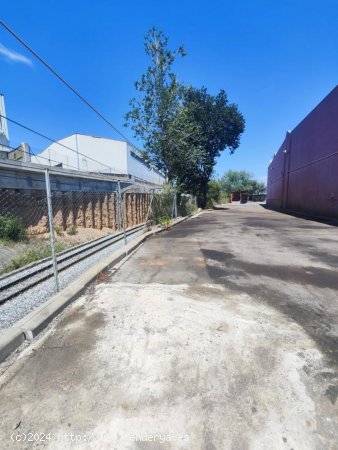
(303, 175)
(83, 153)
(100, 155)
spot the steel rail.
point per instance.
(43, 271)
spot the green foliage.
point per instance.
(31, 255)
(165, 222)
(233, 181)
(257, 187)
(71, 230)
(183, 129)
(12, 228)
(162, 204)
(214, 193)
(218, 126)
(224, 197)
(186, 205)
(158, 100)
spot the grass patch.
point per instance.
(31, 255)
(12, 228)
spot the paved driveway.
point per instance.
(219, 334)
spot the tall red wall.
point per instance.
(303, 175)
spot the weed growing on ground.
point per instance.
(31, 255)
(164, 221)
(58, 231)
(71, 230)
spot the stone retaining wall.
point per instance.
(78, 209)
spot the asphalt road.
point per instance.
(221, 333)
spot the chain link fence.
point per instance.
(42, 223)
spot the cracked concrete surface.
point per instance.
(219, 334)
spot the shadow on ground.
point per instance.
(314, 321)
(326, 221)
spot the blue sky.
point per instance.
(276, 60)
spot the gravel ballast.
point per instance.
(18, 307)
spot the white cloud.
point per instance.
(10, 55)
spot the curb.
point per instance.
(32, 324)
(10, 340)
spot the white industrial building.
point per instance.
(82, 152)
(97, 154)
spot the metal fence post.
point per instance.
(175, 206)
(51, 229)
(121, 213)
(118, 206)
(150, 207)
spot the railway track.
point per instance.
(23, 279)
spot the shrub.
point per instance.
(12, 228)
(164, 221)
(214, 193)
(187, 205)
(72, 230)
(58, 231)
(162, 204)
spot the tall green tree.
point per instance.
(218, 125)
(158, 101)
(241, 180)
(186, 154)
(183, 129)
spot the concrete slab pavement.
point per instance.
(219, 334)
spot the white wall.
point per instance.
(110, 156)
(113, 156)
(141, 170)
(111, 152)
